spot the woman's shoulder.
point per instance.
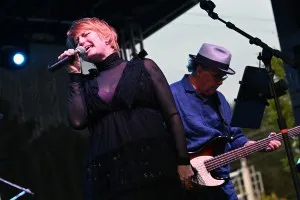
(149, 62)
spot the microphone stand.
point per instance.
(267, 54)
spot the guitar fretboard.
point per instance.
(244, 151)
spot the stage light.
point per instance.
(13, 57)
(19, 58)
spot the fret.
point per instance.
(244, 151)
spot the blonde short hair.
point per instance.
(102, 28)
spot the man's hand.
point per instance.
(273, 144)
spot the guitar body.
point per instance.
(203, 177)
(211, 157)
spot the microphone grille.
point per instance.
(80, 50)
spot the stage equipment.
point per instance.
(24, 190)
(267, 54)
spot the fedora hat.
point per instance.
(215, 57)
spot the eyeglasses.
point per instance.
(218, 76)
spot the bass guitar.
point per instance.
(207, 158)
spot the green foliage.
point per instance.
(272, 196)
(270, 115)
(286, 108)
(276, 162)
(278, 67)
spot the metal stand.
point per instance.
(24, 190)
(266, 57)
(131, 36)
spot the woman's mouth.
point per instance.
(87, 48)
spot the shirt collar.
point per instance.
(190, 89)
(187, 85)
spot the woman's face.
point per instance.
(96, 48)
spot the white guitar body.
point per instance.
(203, 176)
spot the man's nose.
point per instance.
(219, 82)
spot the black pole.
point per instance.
(209, 6)
(266, 57)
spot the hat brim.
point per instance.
(226, 71)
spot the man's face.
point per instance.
(208, 81)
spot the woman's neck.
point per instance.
(110, 61)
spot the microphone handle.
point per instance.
(60, 63)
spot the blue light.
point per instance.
(19, 58)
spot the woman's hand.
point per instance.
(73, 67)
(185, 173)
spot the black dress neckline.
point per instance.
(110, 61)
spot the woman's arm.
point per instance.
(169, 110)
(76, 110)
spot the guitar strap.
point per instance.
(218, 107)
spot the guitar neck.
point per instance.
(244, 151)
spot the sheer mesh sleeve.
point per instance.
(169, 110)
(76, 110)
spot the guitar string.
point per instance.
(238, 153)
(230, 156)
(221, 159)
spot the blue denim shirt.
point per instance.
(201, 120)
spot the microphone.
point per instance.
(61, 62)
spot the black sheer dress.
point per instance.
(136, 136)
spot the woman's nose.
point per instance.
(81, 41)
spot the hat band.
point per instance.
(211, 63)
